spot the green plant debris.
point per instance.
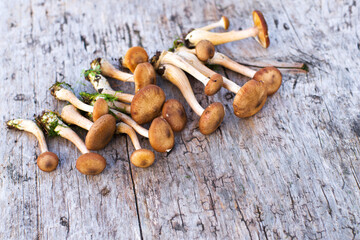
(49, 121)
(176, 43)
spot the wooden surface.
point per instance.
(290, 172)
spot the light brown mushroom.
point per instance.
(100, 108)
(140, 157)
(88, 163)
(223, 22)
(259, 30)
(99, 133)
(174, 113)
(249, 99)
(161, 136)
(133, 57)
(211, 117)
(46, 161)
(212, 84)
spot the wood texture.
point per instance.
(290, 172)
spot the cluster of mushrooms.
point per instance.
(108, 112)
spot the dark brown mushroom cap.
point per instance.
(100, 108)
(90, 163)
(204, 50)
(47, 161)
(226, 22)
(214, 85)
(211, 118)
(101, 132)
(260, 23)
(142, 158)
(174, 113)
(272, 78)
(161, 136)
(134, 56)
(147, 103)
(144, 75)
(250, 99)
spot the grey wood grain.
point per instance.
(291, 171)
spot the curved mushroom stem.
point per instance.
(108, 70)
(126, 129)
(128, 120)
(31, 127)
(122, 107)
(223, 60)
(63, 94)
(72, 116)
(70, 135)
(90, 98)
(223, 22)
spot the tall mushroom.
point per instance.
(259, 30)
(223, 22)
(211, 117)
(212, 84)
(249, 99)
(88, 163)
(46, 161)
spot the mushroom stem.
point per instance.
(223, 22)
(31, 127)
(64, 94)
(128, 120)
(70, 135)
(108, 70)
(90, 98)
(71, 116)
(126, 129)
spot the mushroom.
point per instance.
(88, 163)
(211, 117)
(99, 133)
(144, 73)
(259, 30)
(112, 101)
(161, 136)
(249, 99)
(140, 157)
(223, 22)
(212, 84)
(47, 161)
(271, 76)
(174, 113)
(133, 57)
(100, 108)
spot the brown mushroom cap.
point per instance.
(134, 56)
(174, 113)
(47, 161)
(272, 78)
(147, 103)
(100, 108)
(142, 158)
(101, 132)
(260, 23)
(214, 84)
(211, 118)
(250, 98)
(161, 136)
(90, 163)
(144, 75)
(204, 50)
(226, 22)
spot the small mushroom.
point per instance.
(211, 117)
(212, 84)
(133, 57)
(88, 163)
(161, 136)
(249, 98)
(140, 157)
(271, 76)
(100, 108)
(47, 161)
(112, 101)
(63, 94)
(99, 133)
(223, 22)
(147, 104)
(144, 73)
(174, 113)
(259, 30)
(204, 50)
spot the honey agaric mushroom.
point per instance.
(63, 94)
(99, 133)
(47, 161)
(223, 22)
(174, 113)
(100, 108)
(147, 104)
(112, 101)
(249, 99)
(271, 76)
(259, 30)
(133, 57)
(144, 73)
(161, 136)
(140, 157)
(212, 84)
(211, 117)
(88, 163)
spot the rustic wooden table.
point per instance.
(290, 171)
